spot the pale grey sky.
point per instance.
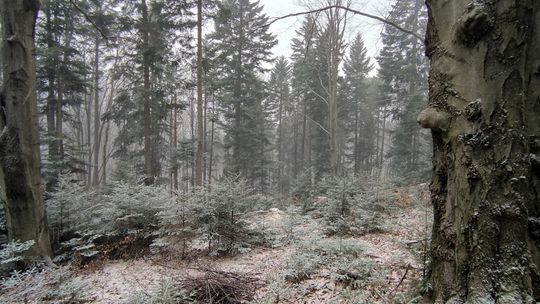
(285, 29)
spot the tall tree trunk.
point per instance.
(309, 145)
(59, 136)
(172, 150)
(262, 177)
(97, 115)
(60, 103)
(173, 140)
(295, 144)
(356, 139)
(336, 28)
(280, 146)
(175, 145)
(304, 137)
(414, 88)
(212, 128)
(80, 135)
(484, 113)
(237, 161)
(200, 126)
(147, 119)
(380, 161)
(104, 152)
(20, 180)
(51, 98)
(377, 141)
(192, 133)
(205, 133)
(88, 112)
(155, 129)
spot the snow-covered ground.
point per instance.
(390, 251)
(392, 257)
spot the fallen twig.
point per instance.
(401, 281)
(385, 299)
(408, 243)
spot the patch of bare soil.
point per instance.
(395, 256)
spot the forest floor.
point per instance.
(384, 266)
(383, 262)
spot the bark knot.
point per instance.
(473, 111)
(434, 119)
(473, 25)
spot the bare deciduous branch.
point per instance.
(89, 19)
(356, 12)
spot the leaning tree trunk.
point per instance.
(20, 181)
(484, 113)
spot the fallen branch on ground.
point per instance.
(218, 286)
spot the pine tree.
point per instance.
(304, 86)
(310, 74)
(61, 84)
(319, 110)
(403, 69)
(318, 53)
(279, 100)
(358, 114)
(242, 44)
(142, 109)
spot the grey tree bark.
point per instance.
(20, 180)
(484, 112)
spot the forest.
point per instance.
(167, 151)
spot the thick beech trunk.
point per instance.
(20, 181)
(484, 113)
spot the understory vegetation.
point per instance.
(320, 232)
